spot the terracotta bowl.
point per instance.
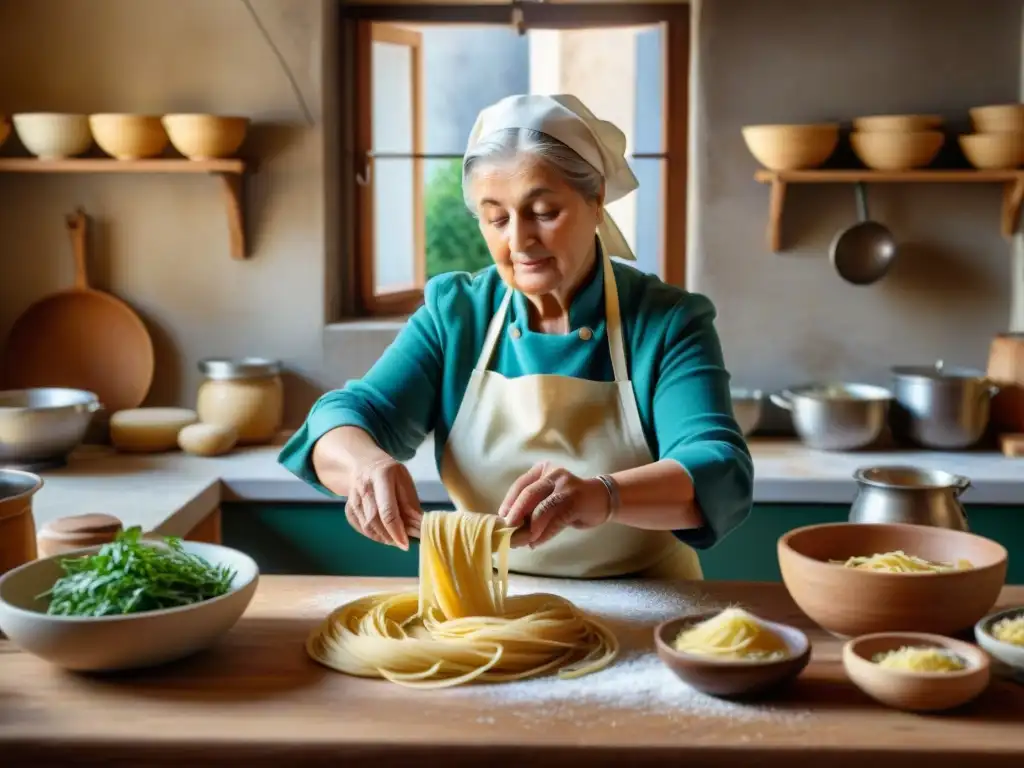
(130, 641)
(791, 147)
(915, 691)
(129, 137)
(878, 123)
(53, 135)
(731, 678)
(849, 602)
(1007, 653)
(997, 118)
(994, 151)
(896, 150)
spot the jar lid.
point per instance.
(222, 368)
(87, 525)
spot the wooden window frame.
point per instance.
(364, 22)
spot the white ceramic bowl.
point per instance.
(53, 135)
(1009, 654)
(131, 641)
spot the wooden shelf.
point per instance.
(230, 173)
(1013, 189)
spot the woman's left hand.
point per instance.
(547, 499)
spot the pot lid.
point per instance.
(940, 372)
(241, 368)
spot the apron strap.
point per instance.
(493, 331)
(613, 321)
(613, 324)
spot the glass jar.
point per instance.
(246, 394)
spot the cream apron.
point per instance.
(505, 426)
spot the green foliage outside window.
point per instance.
(453, 239)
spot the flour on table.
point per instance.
(637, 683)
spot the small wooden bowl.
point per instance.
(915, 691)
(882, 123)
(791, 147)
(997, 118)
(896, 150)
(1009, 654)
(993, 151)
(729, 678)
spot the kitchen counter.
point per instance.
(256, 699)
(171, 493)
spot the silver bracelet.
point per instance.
(613, 496)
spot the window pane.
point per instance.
(394, 224)
(453, 239)
(644, 229)
(392, 98)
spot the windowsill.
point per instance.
(357, 324)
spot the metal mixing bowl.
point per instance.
(836, 416)
(40, 427)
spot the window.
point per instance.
(419, 85)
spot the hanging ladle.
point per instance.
(863, 253)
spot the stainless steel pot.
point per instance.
(941, 407)
(912, 495)
(747, 405)
(40, 427)
(836, 417)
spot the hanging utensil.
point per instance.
(863, 253)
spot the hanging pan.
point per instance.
(81, 338)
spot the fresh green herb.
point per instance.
(129, 576)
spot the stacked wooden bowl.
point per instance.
(897, 142)
(998, 139)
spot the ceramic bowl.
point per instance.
(131, 641)
(129, 137)
(915, 691)
(205, 137)
(731, 678)
(1009, 654)
(791, 147)
(850, 602)
(52, 135)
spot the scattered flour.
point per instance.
(636, 684)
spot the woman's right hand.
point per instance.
(382, 503)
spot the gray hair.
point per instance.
(507, 144)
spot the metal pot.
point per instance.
(836, 417)
(747, 407)
(941, 407)
(40, 427)
(912, 495)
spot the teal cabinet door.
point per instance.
(316, 539)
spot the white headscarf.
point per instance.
(567, 119)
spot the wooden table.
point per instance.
(255, 699)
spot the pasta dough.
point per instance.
(732, 634)
(899, 561)
(461, 626)
(920, 659)
(1009, 630)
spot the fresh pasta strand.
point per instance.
(732, 634)
(899, 561)
(461, 626)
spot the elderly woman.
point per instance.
(583, 401)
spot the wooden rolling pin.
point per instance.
(68, 533)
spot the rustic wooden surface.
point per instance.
(256, 699)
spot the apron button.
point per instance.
(586, 334)
(515, 332)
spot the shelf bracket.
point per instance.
(1013, 196)
(777, 203)
(233, 188)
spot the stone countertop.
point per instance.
(170, 493)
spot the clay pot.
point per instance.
(850, 602)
